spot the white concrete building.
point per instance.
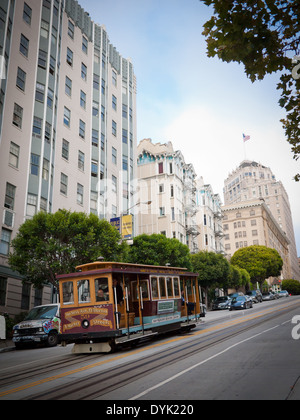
(67, 124)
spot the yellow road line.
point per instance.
(94, 365)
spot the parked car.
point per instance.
(268, 296)
(221, 302)
(41, 325)
(232, 295)
(255, 295)
(283, 293)
(240, 302)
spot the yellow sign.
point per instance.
(127, 226)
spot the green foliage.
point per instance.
(50, 244)
(259, 261)
(264, 36)
(213, 269)
(157, 249)
(238, 277)
(291, 286)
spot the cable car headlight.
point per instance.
(85, 323)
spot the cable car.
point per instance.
(107, 304)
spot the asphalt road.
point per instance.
(249, 355)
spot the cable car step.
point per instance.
(134, 337)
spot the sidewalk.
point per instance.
(6, 345)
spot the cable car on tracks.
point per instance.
(109, 304)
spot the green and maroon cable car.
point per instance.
(105, 304)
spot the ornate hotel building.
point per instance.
(257, 212)
(167, 193)
(67, 124)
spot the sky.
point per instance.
(200, 104)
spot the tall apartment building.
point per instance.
(67, 124)
(209, 218)
(253, 181)
(167, 193)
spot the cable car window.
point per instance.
(162, 287)
(154, 287)
(145, 290)
(176, 287)
(101, 289)
(68, 295)
(170, 287)
(83, 288)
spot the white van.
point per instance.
(41, 325)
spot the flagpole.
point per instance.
(245, 138)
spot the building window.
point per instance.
(82, 99)
(79, 194)
(114, 128)
(114, 155)
(83, 71)
(31, 205)
(94, 169)
(80, 160)
(18, 115)
(68, 86)
(96, 81)
(42, 60)
(21, 79)
(114, 187)
(95, 110)
(45, 173)
(103, 86)
(125, 163)
(65, 149)
(124, 111)
(50, 98)
(85, 44)
(27, 13)
(47, 132)
(95, 137)
(10, 193)
(161, 168)
(67, 117)
(70, 57)
(63, 184)
(40, 92)
(82, 129)
(71, 29)
(125, 136)
(5, 241)
(44, 29)
(114, 78)
(14, 153)
(35, 163)
(162, 211)
(24, 45)
(114, 102)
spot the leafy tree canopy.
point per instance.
(264, 36)
(213, 269)
(50, 244)
(157, 249)
(259, 261)
(291, 286)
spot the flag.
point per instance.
(246, 137)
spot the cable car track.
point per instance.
(99, 384)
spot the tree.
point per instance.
(238, 277)
(260, 262)
(291, 286)
(157, 249)
(264, 36)
(213, 269)
(50, 244)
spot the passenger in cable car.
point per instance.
(190, 305)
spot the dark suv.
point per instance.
(255, 295)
